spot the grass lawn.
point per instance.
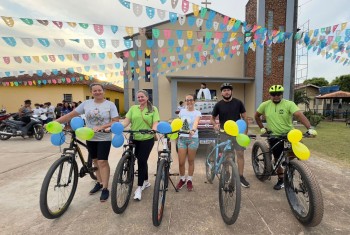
(332, 141)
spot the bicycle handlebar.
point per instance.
(269, 134)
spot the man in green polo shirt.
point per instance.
(279, 115)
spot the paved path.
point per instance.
(24, 163)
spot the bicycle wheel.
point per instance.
(229, 191)
(160, 188)
(38, 132)
(261, 160)
(58, 188)
(210, 163)
(123, 180)
(303, 193)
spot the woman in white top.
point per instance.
(188, 143)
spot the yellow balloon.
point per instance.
(174, 136)
(294, 136)
(176, 124)
(243, 140)
(301, 151)
(231, 128)
(54, 127)
(85, 133)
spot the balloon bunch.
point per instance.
(299, 149)
(237, 129)
(117, 129)
(165, 128)
(77, 124)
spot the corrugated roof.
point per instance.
(26, 78)
(337, 94)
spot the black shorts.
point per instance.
(99, 149)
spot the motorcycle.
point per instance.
(13, 128)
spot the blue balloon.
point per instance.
(118, 141)
(164, 127)
(76, 123)
(117, 128)
(242, 125)
(58, 139)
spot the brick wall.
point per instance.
(273, 57)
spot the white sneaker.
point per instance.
(138, 193)
(145, 185)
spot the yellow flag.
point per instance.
(195, 9)
(189, 34)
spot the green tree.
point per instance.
(316, 81)
(300, 97)
(343, 82)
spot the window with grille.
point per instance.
(68, 97)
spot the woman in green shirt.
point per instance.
(142, 116)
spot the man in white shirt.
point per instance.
(204, 93)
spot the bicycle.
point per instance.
(304, 197)
(62, 178)
(123, 179)
(225, 168)
(163, 177)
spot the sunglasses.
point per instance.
(276, 94)
(189, 100)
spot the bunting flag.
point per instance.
(54, 58)
(98, 28)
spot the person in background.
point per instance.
(74, 105)
(181, 106)
(230, 108)
(25, 111)
(204, 93)
(50, 112)
(37, 110)
(66, 108)
(100, 114)
(279, 115)
(58, 110)
(188, 143)
(142, 116)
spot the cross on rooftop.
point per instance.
(206, 3)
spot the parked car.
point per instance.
(206, 133)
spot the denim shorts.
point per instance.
(187, 142)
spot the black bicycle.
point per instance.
(163, 177)
(302, 190)
(61, 180)
(123, 179)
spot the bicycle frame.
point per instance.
(283, 159)
(227, 148)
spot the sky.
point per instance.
(316, 13)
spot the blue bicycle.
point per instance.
(224, 167)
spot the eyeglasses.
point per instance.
(189, 100)
(276, 93)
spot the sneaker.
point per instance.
(180, 184)
(138, 193)
(104, 195)
(189, 185)
(97, 188)
(145, 185)
(279, 185)
(244, 183)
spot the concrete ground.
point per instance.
(24, 163)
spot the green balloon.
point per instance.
(243, 140)
(54, 127)
(85, 133)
